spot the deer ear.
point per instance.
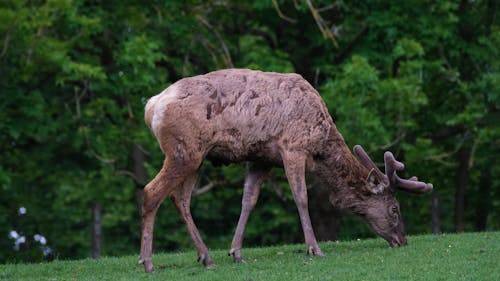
(374, 184)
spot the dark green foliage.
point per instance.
(418, 78)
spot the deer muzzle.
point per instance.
(397, 241)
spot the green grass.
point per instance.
(470, 256)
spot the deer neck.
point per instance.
(342, 175)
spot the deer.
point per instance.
(266, 119)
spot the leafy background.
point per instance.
(419, 78)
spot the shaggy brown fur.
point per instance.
(268, 119)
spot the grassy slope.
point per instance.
(471, 256)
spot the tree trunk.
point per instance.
(140, 173)
(96, 231)
(324, 217)
(483, 203)
(435, 214)
(462, 178)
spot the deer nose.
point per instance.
(398, 241)
(404, 241)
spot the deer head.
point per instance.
(382, 208)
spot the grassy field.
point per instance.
(470, 256)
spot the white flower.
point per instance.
(46, 251)
(21, 240)
(22, 211)
(40, 238)
(13, 234)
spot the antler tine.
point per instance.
(368, 163)
(391, 166)
(412, 184)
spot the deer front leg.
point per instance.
(294, 163)
(251, 189)
(182, 200)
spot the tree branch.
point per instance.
(266, 35)
(7, 38)
(398, 139)
(279, 191)
(93, 152)
(280, 14)
(326, 8)
(350, 47)
(225, 55)
(130, 174)
(207, 187)
(322, 25)
(440, 157)
(5, 45)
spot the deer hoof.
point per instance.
(205, 259)
(315, 250)
(148, 265)
(236, 253)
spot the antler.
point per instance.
(368, 163)
(390, 178)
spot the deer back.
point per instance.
(239, 114)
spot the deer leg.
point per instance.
(251, 189)
(182, 200)
(295, 163)
(154, 193)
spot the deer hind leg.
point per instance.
(182, 200)
(176, 169)
(251, 189)
(154, 194)
(295, 164)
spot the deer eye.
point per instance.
(394, 209)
